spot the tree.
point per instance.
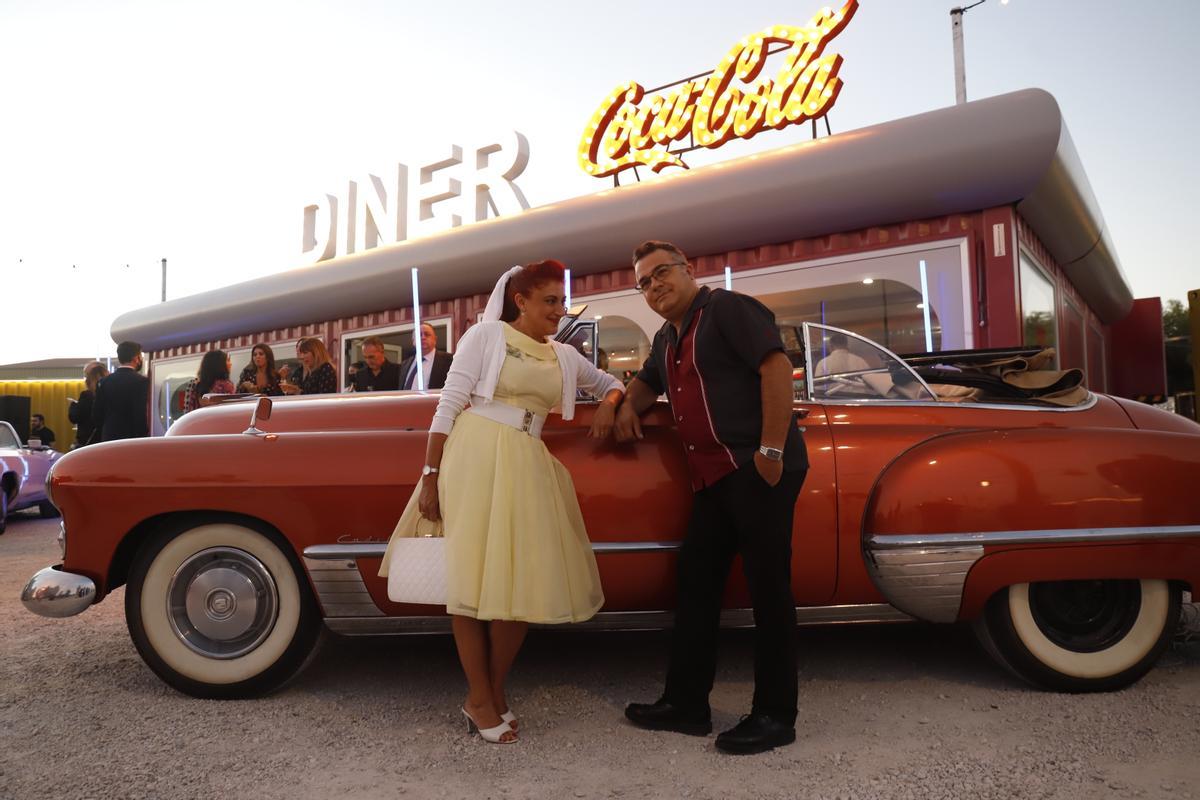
(1175, 319)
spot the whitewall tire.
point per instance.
(220, 610)
(1081, 636)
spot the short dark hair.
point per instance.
(646, 248)
(839, 340)
(128, 351)
(529, 278)
(372, 341)
(39, 417)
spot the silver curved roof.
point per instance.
(1014, 148)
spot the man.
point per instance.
(721, 363)
(122, 399)
(840, 360)
(380, 375)
(434, 363)
(38, 430)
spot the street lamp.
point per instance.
(960, 72)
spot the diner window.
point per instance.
(1072, 342)
(284, 353)
(1037, 307)
(1097, 372)
(397, 344)
(169, 378)
(622, 346)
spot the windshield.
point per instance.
(844, 366)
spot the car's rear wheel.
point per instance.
(220, 610)
(1080, 636)
(3, 509)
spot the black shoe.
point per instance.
(756, 733)
(662, 716)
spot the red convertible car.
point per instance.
(23, 475)
(1064, 530)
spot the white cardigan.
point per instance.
(476, 369)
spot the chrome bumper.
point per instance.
(54, 593)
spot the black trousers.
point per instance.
(738, 515)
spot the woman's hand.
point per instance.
(289, 388)
(248, 386)
(428, 501)
(602, 422)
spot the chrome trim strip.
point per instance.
(925, 582)
(52, 592)
(339, 586)
(338, 552)
(627, 620)
(880, 541)
(1084, 406)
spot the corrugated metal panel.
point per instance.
(50, 399)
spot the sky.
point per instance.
(198, 131)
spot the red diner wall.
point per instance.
(994, 278)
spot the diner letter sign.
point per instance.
(630, 129)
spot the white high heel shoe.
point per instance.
(511, 719)
(492, 735)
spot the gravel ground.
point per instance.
(908, 711)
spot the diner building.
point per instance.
(964, 228)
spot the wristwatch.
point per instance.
(771, 453)
(428, 470)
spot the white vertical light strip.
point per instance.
(925, 308)
(417, 354)
(567, 284)
(167, 389)
(728, 278)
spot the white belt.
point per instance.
(522, 419)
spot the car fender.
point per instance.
(942, 506)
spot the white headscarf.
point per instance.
(495, 303)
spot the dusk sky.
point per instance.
(197, 132)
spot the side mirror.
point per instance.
(262, 411)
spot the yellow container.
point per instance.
(51, 400)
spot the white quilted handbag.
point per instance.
(417, 569)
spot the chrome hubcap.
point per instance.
(222, 602)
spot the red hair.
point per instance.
(532, 276)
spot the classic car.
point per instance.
(23, 475)
(1064, 533)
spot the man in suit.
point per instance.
(434, 363)
(380, 375)
(122, 399)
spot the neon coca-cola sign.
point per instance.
(629, 128)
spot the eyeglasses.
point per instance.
(657, 274)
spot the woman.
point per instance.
(80, 412)
(212, 377)
(260, 375)
(516, 548)
(318, 376)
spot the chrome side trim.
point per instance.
(339, 586)
(926, 582)
(337, 552)
(626, 620)
(881, 542)
(51, 592)
(1084, 406)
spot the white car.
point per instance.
(23, 475)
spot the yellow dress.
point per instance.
(516, 546)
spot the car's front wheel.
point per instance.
(3, 510)
(1080, 636)
(220, 610)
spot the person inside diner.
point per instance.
(317, 375)
(211, 378)
(260, 376)
(380, 375)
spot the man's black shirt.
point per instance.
(387, 379)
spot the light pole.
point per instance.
(960, 70)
